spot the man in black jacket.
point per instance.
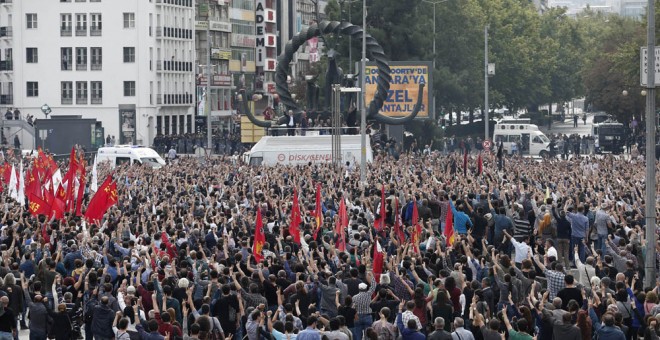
(440, 333)
(102, 320)
(38, 314)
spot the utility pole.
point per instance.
(363, 116)
(486, 105)
(650, 263)
(209, 142)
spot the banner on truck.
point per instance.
(404, 87)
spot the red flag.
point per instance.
(81, 190)
(70, 179)
(6, 172)
(378, 260)
(259, 238)
(342, 222)
(380, 222)
(449, 227)
(465, 156)
(104, 198)
(49, 196)
(480, 165)
(44, 233)
(318, 211)
(398, 228)
(57, 208)
(37, 205)
(417, 229)
(294, 227)
(33, 183)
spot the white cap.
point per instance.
(362, 286)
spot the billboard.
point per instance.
(404, 88)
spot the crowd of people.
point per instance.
(541, 249)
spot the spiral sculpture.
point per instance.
(375, 52)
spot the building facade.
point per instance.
(128, 64)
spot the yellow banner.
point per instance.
(404, 89)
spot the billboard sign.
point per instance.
(404, 88)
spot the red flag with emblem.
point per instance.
(259, 238)
(33, 183)
(37, 205)
(294, 227)
(102, 200)
(378, 260)
(318, 211)
(342, 222)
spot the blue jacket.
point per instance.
(605, 332)
(461, 220)
(407, 333)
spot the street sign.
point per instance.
(487, 144)
(643, 63)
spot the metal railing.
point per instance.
(97, 100)
(5, 31)
(159, 31)
(95, 31)
(96, 67)
(6, 99)
(81, 67)
(81, 31)
(67, 101)
(6, 65)
(81, 100)
(159, 99)
(65, 31)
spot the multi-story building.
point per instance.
(212, 20)
(293, 17)
(128, 64)
(243, 42)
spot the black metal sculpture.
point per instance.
(376, 54)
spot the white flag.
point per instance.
(21, 186)
(57, 180)
(13, 183)
(94, 186)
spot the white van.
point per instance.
(533, 141)
(131, 154)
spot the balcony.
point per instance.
(97, 100)
(176, 66)
(6, 99)
(178, 99)
(5, 31)
(81, 67)
(96, 67)
(6, 65)
(67, 101)
(65, 31)
(95, 31)
(159, 99)
(81, 31)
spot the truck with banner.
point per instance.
(294, 150)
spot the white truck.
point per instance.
(294, 150)
(131, 154)
(513, 131)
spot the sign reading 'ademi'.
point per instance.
(644, 66)
(262, 16)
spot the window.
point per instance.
(31, 55)
(31, 20)
(81, 24)
(32, 89)
(129, 54)
(67, 93)
(65, 25)
(129, 89)
(81, 92)
(65, 0)
(81, 58)
(243, 4)
(129, 20)
(96, 24)
(242, 26)
(97, 92)
(67, 56)
(97, 58)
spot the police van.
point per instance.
(130, 154)
(529, 140)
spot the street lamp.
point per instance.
(46, 109)
(436, 2)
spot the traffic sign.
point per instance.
(487, 144)
(643, 66)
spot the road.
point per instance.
(566, 127)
